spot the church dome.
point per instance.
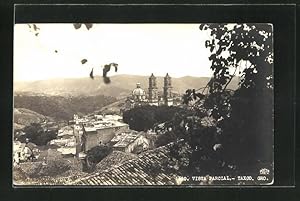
(138, 92)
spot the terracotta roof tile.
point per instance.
(144, 170)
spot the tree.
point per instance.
(140, 118)
(145, 117)
(241, 135)
(245, 115)
(96, 154)
(38, 135)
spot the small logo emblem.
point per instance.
(264, 171)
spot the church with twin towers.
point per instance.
(154, 95)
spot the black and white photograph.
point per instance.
(143, 104)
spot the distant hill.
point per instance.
(60, 107)
(113, 108)
(120, 86)
(68, 87)
(24, 117)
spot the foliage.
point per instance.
(165, 139)
(33, 28)
(96, 154)
(245, 115)
(37, 134)
(241, 135)
(106, 69)
(145, 117)
(87, 25)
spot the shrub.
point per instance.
(36, 134)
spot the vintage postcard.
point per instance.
(115, 104)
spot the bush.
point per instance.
(96, 154)
(145, 117)
(36, 134)
(164, 139)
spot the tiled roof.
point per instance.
(45, 180)
(104, 125)
(147, 169)
(124, 139)
(116, 158)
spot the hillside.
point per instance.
(70, 87)
(113, 108)
(24, 117)
(120, 86)
(62, 108)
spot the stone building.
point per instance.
(102, 134)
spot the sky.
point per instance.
(138, 49)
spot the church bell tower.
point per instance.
(167, 94)
(153, 93)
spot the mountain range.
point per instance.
(120, 86)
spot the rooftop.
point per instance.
(67, 150)
(114, 159)
(148, 169)
(125, 138)
(103, 125)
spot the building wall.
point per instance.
(101, 136)
(154, 103)
(169, 102)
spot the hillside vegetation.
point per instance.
(62, 108)
(24, 117)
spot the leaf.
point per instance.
(91, 73)
(83, 61)
(201, 26)
(77, 25)
(116, 67)
(106, 69)
(88, 25)
(212, 57)
(106, 80)
(219, 51)
(217, 146)
(35, 28)
(194, 94)
(200, 96)
(212, 47)
(36, 34)
(207, 43)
